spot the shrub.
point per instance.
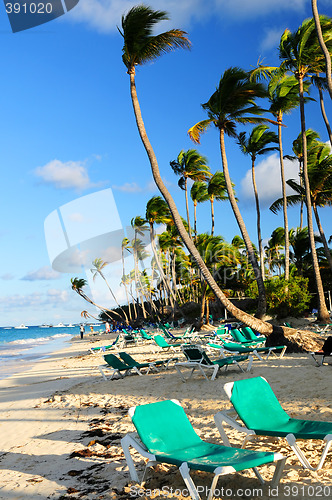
(285, 298)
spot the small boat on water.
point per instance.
(70, 326)
(59, 325)
(21, 327)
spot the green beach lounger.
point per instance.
(256, 405)
(165, 435)
(115, 365)
(198, 359)
(151, 365)
(233, 348)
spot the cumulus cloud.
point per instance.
(268, 180)
(134, 187)
(65, 175)
(105, 15)
(44, 273)
(271, 39)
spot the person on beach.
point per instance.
(82, 330)
(107, 327)
(91, 329)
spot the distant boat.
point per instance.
(45, 326)
(20, 327)
(59, 325)
(70, 326)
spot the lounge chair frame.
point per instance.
(133, 440)
(230, 417)
(202, 365)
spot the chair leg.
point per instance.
(185, 473)
(300, 455)
(278, 472)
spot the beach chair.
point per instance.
(169, 336)
(105, 348)
(136, 366)
(256, 405)
(145, 336)
(198, 359)
(116, 366)
(250, 335)
(163, 344)
(233, 348)
(325, 352)
(165, 435)
(241, 339)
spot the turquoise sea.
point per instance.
(21, 348)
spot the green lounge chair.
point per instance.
(144, 335)
(241, 339)
(258, 408)
(325, 352)
(115, 365)
(233, 348)
(165, 435)
(163, 344)
(198, 359)
(136, 366)
(250, 334)
(105, 348)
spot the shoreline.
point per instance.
(62, 423)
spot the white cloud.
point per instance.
(105, 15)
(44, 273)
(268, 180)
(271, 38)
(64, 175)
(133, 187)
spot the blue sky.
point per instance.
(67, 129)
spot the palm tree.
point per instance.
(199, 194)
(99, 265)
(217, 191)
(192, 165)
(233, 103)
(141, 46)
(299, 53)
(323, 45)
(77, 284)
(257, 144)
(125, 246)
(157, 212)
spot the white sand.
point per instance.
(45, 413)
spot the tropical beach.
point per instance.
(170, 337)
(61, 426)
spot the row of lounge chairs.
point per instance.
(165, 435)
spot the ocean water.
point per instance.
(21, 348)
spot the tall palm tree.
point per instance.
(257, 144)
(125, 246)
(192, 165)
(217, 190)
(141, 46)
(157, 212)
(233, 103)
(199, 194)
(323, 45)
(299, 52)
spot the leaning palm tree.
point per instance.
(192, 165)
(234, 102)
(77, 284)
(257, 144)
(299, 52)
(98, 267)
(141, 46)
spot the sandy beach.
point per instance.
(61, 426)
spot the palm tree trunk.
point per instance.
(258, 212)
(161, 272)
(125, 284)
(212, 215)
(323, 314)
(261, 308)
(322, 45)
(187, 205)
(284, 198)
(248, 319)
(322, 108)
(322, 235)
(195, 219)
